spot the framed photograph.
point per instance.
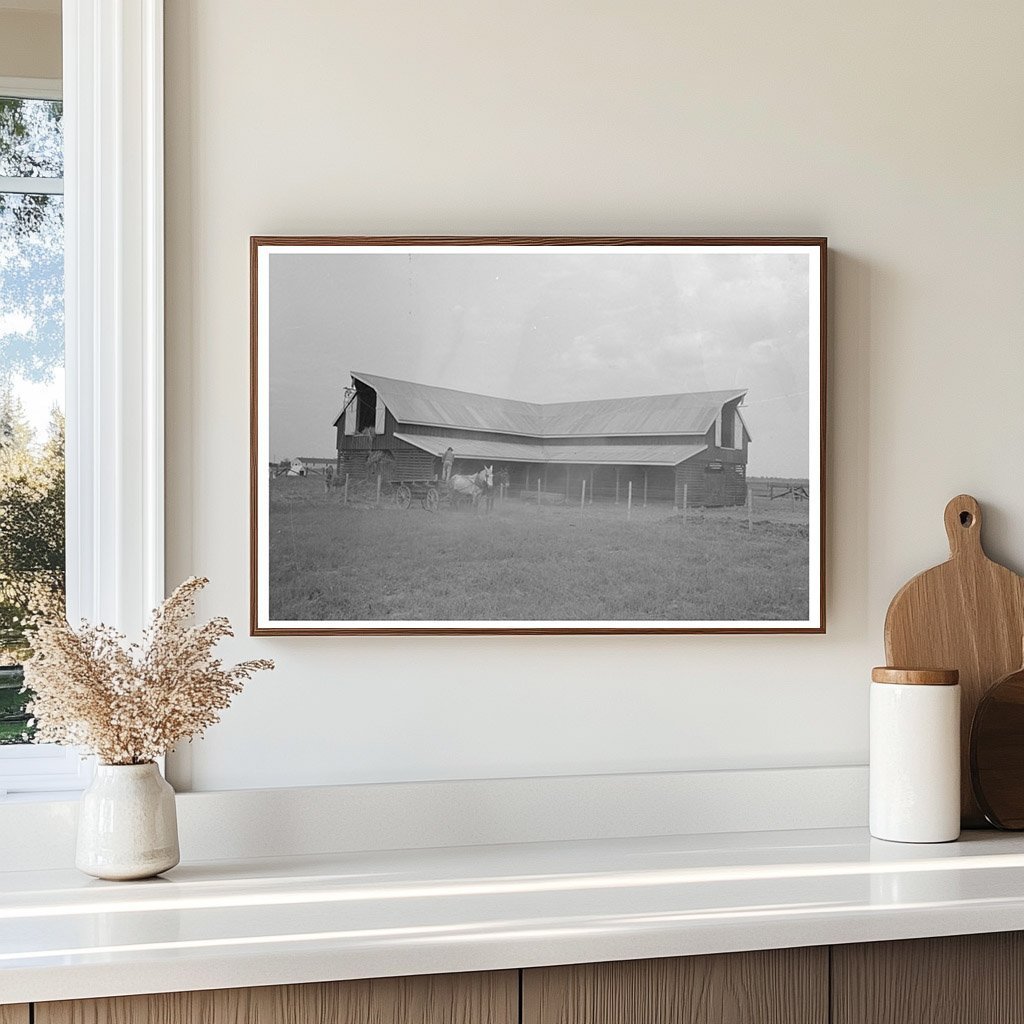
(537, 435)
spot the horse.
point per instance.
(501, 481)
(460, 486)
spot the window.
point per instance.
(727, 423)
(31, 382)
(366, 404)
(32, 533)
(730, 427)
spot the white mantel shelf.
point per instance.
(225, 924)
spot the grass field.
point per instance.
(359, 561)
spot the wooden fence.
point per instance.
(775, 488)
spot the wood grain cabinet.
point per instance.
(963, 979)
(491, 998)
(779, 986)
(971, 979)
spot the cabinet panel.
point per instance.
(491, 998)
(963, 979)
(779, 986)
(14, 1014)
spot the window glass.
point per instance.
(31, 386)
(31, 138)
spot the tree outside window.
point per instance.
(31, 386)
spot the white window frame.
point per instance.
(32, 88)
(114, 345)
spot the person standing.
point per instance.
(446, 465)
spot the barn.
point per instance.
(667, 446)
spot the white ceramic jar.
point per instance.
(915, 755)
(127, 823)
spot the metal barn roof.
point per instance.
(429, 406)
(442, 407)
(571, 454)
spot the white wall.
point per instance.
(894, 129)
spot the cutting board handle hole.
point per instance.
(962, 519)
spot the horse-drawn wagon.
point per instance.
(427, 492)
(433, 493)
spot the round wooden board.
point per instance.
(997, 752)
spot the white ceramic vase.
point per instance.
(127, 825)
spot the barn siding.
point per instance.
(414, 465)
(568, 480)
(644, 439)
(407, 463)
(712, 488)
(488, 435)
(601, 482)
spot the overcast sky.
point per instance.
(543, 327)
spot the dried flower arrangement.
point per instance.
(130, 703)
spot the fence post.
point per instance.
(645, 488)
(583, 495)
(686, 487)
(629, 500)
(346, 488)
(616, 485)
(378, 488)
(750, 508)
(538, 495)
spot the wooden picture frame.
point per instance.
(622, 506)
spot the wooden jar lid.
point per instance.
(916, 676)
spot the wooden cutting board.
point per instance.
(967, 614)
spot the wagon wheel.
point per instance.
(432, 500)
(403, 496)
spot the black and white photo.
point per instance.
(550, 435)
